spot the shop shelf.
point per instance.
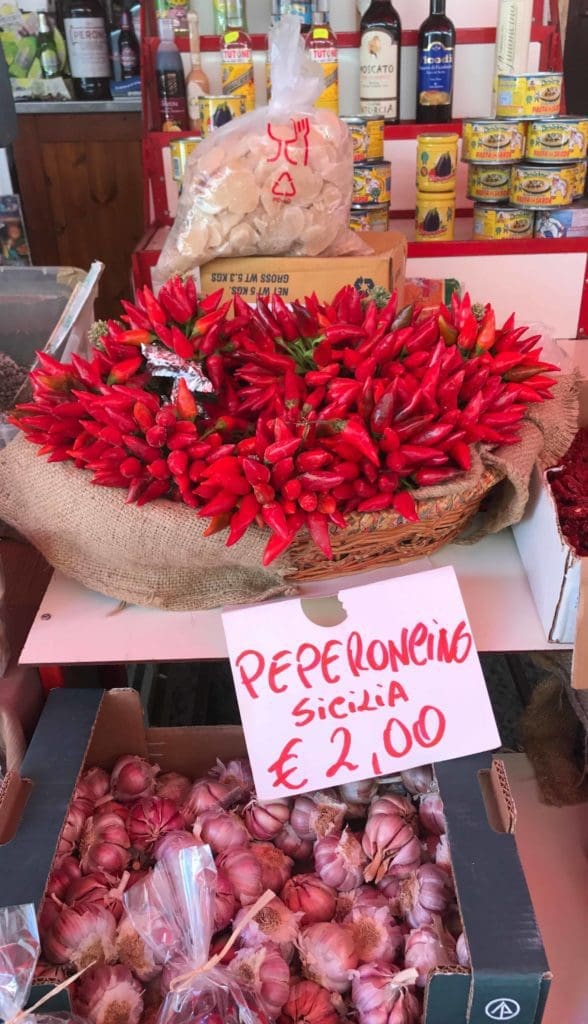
(75, 625)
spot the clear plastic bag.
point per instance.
(173, 912)
(20, 948)
(277, 181)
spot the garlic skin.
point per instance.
(382, 994)
(236, 775)
(78, 939)
(419, 780)
(290, 842)
(391, 846)
(222, 830)
(150, 819)
(243, 871)
(308, 1003)
(134, 953)
(206, 795)
(93, 785)
(276, 867)
(316, 815)
(105, 845)
(424, 895)
(266, 973)
(327, 955)
(394, 803)
(173, 786)
(132, 778)
(376, 937)
(427, 948)
(462, 951)
(274, 924)
(340, 861)
(309, 896)
(432, 815)
(109, 995)
(225, 904)
(265, 820)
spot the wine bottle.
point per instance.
(171, 84)
(87, 48)
(197, 83)
(46, 51)
(379, 61)
(436, 51)
(128, 47)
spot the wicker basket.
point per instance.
(376, 539)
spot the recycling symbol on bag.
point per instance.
(502, 1009)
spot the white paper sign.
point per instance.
(396, 685)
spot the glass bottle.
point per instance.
(128, 47)
(301, 9)
(197, 81)
(219, 10)
(436, 51)
(321, 43)
(274, 19)
(171, 84)
(46, 50)
(87, 49)
(379, 61)
(237, 56)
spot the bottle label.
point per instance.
(194, 91)
(172, 102)
(128, 59)
(237, 76)
(378, 74)
(328, 59)
(435, 75)
(49, 62)
(87, 47)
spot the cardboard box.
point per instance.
(81, 727)
(552, 568)
(291, 277)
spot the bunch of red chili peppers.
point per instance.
(311, 411)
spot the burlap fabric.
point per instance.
(157, 555)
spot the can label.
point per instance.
(579, 178)
(370, 218)
(237, 75)
(371, 183)
(435, 218)
(87, 47)
(435, 75)
(528, 95)
(488, 184)
(378, 74)
(538, 187)
(436, 165)
(328, 59)
(215, 111)
(557, 140)
(368, 139)
(495, 224)
(488, 141)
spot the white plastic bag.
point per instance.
(276, 182)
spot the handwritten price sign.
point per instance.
(396, 685)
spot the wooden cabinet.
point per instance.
(81, 182)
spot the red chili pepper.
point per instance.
(316, 458)
(405, 505)
(264, 493)
(433, 434)
(432, 477)
(204, 323)
(321, 480)
(448, 332)
(378, 503)
(308, 501)
(282, 472)
(210, 341)
(273, 516)
(354, 432)
(125, 370)
(208, 303)
(242, 519)
(318, 527)
(152, 308)
(282, 449)
(284, 317)
(487, 335)
(156, 489)
(185, 403)
(461, 453)
(255, 472)
(143, 416)
(136, 317)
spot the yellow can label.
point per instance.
(486, 142)
(550, 141)
(367, 137)
(491, 223)
(327, 58)
(215, 111)
(488, 184)
(435, 216)
(436, 163)
(370, 218)
(529, 95)
(371, 183)
(180, 151)
(579, 178)
(538, 187)
(237, 75)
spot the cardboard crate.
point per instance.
(553, 569)
(292, 277)
(88, 727)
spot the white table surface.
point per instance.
(75, 625)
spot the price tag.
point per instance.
(397, 684)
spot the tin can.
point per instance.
(435, 216)
(371, 183)
(498, 222)
(487, 141)
(489, 183)
(436, 162)
(579, 177)
(537, 187)
(562, 139)
(215, 111)
(534, 95)
(180, 151)
(367, 135)
(370, 218)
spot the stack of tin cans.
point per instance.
(527, 162)
(436, 184)
(371, 175)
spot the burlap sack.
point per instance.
(157, 555)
